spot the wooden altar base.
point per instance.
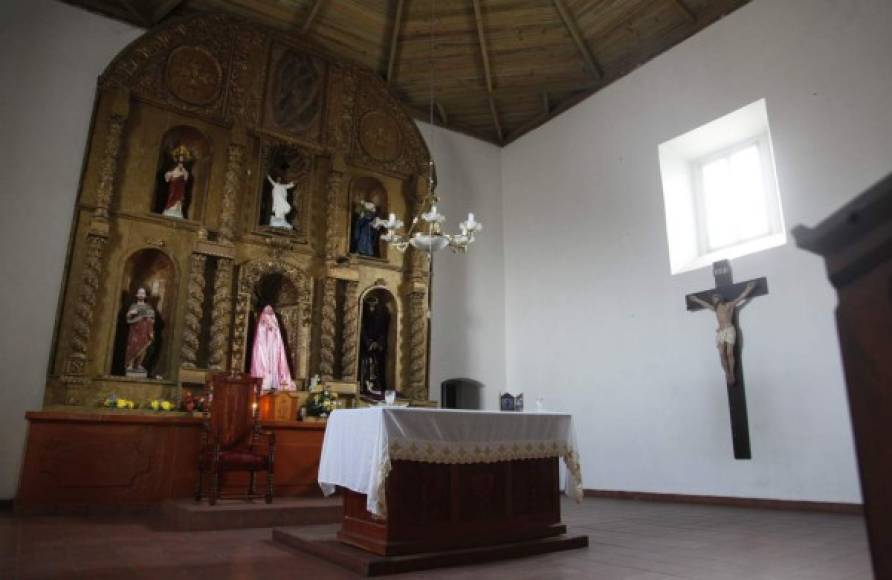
(322, 542)
(228, 514)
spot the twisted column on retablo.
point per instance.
(194, 311)
(349, 331)
(327, 339)
(221, 315)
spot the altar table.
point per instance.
(420, 480)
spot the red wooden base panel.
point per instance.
(433, 507)
(77, 459)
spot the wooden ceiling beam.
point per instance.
(495, 119)
(590, 62)
(487, 70)
(394, 40)
(442, 111)
(311, 16)
(164, 9)
(478, 18)
(682, 5)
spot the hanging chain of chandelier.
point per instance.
(425, 232)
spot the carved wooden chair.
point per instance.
(232, 439)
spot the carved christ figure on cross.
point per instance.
(726, 333)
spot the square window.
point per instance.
(720, 190)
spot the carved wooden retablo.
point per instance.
(196, 125)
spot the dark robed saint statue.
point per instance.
(141, 334)
(364, 235)
(373, 348)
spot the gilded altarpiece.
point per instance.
(221, 177)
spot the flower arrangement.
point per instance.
(192, 403)
(113, 402)
(157, 405)
(322, 403)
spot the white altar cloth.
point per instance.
(359, 444)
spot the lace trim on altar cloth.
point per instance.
(489, 452)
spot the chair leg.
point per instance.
(215, 487)
(269, 486)
(252, 485)
(200, 485)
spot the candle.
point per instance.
(470, 218)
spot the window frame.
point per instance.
(769, 189)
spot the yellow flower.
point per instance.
(155, 405)
(334, 395)
(122, 403)
(166, 405)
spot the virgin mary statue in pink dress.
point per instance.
(268, 359)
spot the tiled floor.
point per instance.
(628, 541)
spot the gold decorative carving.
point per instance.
(296, 91)
(231, 181)
(379, 136)
(221, 315)
(416, 355)
(333, 196)
(327, 338)
(374, 135)
(242, 84)
(194, 75)
(349, 331)
(147, 69)
(246, 75)
(342, 100)
(194, 310)
(109, 168)
(84, 308)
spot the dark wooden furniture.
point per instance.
(856, 243)
(233, 439)
(435, 507)
(119, 458)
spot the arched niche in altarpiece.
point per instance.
(368, 202)
(189, 146)
(378, 332)
(288, 290)
(143, 330)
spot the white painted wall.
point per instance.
(595, 322)
(52, 56)
(468, 328)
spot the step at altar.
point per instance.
(187, 514)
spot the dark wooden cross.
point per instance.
(726, 290)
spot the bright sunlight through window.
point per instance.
(720, 190)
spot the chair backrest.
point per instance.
(233, 407)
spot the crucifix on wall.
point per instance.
(725, 300)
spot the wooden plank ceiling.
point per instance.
(500, 67)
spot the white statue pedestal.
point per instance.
(277, 222)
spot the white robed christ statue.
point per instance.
(281, 207)
(268, 358)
